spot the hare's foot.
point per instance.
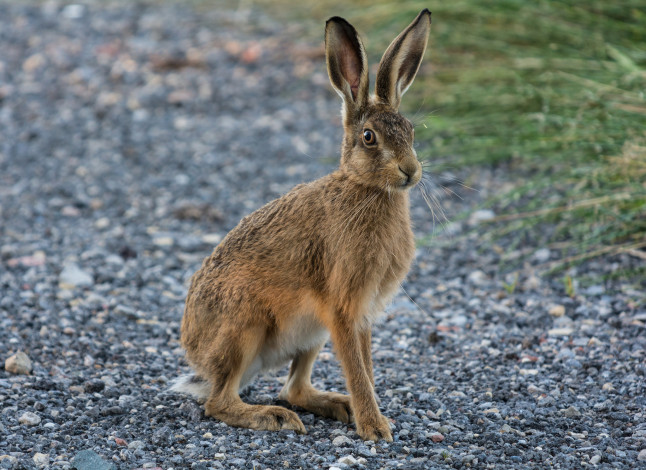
(298, 390)
(326, 404)
(375, 428)
(261, 417)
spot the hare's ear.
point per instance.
(401, 60)
(347, 64)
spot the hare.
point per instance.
(321, 261)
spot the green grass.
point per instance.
(553, 91)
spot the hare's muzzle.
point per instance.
(410, 171)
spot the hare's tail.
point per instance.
(193, 385)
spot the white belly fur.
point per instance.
(303, 333)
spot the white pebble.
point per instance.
(73, 276)
(477, 277)
(560, 331)
(29, 419)
(41, 460)
(481, 216)
(73, 11)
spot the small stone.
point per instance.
(29, 419)
(481, 216)
(533, 282)
(348, 460)
(564, 354)
(437, 437)
(211, 238)
(607, 387)
(37, 259)
(642, 455)
(73, 11)
(560, 331)
(219, 456)
(41, 460)
(477, 277)
(557, 310)
(73, 276)
(70, 211)
(341, 441)
(594, 342)
(595, 459)
(542, 255)
(124, 310)
(102, 223)
(595, 290)
(571, 412)
(94, 386)
(19, 363)
(33, 62)
(533, 389)
(90, 460)
(164, 241)
(136, 445)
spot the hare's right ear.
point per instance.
(347, 64)
(401, 61)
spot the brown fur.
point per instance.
(324, 258)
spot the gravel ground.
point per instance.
(132, 138)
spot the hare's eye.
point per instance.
(369, 137)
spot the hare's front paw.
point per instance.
(375, 428)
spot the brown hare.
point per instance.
(321, 261)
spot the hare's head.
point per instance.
(378, 142)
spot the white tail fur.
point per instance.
(193, 385)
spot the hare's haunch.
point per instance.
(321, 261)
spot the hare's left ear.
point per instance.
(347, 64)
(401, 60)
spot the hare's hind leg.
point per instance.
(231, 356)
(298, 390)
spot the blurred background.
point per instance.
(535, 110)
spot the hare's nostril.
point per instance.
(405, 174)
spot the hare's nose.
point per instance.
(407, 174)
(411, 170)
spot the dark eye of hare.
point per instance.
(369, 137)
